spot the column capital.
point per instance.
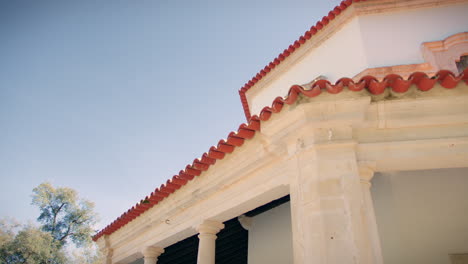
(245, 221)
(366, 171)
(107, 253)
(210, 227)
(152, 252)
(207, 241)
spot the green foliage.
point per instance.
(88, 255)
(64, 218)
(29, 245)
(64, 215)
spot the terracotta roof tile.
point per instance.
(246, 131)
(287, 52)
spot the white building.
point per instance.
(367, 169)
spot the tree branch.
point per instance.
(68, 231)
(54, 222)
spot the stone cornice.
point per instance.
(323, 31)
(252, 171)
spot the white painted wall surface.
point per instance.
(367, 41)
(395, 38)
(422, 216)
(340, 55)
(270, 237)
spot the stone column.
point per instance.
(151, 254)
(107, 252)
(207, 244)
(106, 249)
(370, 223)
(326, 201)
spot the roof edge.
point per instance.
(396, 83)
(371, 7)
(290, 50)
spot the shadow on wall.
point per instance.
(422, 216)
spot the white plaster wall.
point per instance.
(270, 237)
(367, 41)
(422, 216)
(396, 38)
(340, 55)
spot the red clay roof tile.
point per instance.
(287, 52)
(246, 131)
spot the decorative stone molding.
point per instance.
(366, 172)
(423, 132)
(151, 254)
(245, 221)
(439, 55)
(384, 6)
(403, 70)
(444, 54)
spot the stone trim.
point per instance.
(439, 55)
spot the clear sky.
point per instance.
(112, 98)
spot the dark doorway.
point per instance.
(231, 244)
(231, 247)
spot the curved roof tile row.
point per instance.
(287, 52)
(248, 130)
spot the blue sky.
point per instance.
(112, 98)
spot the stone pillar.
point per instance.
(207, 244)
(151, 254)
(107, 253)
(105, 248)
(370, 223)
(326, 198)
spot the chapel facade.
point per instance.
(355, 150)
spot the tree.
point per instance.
(64, 215)
(89, 255)
(28, 245)
(64, 218)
